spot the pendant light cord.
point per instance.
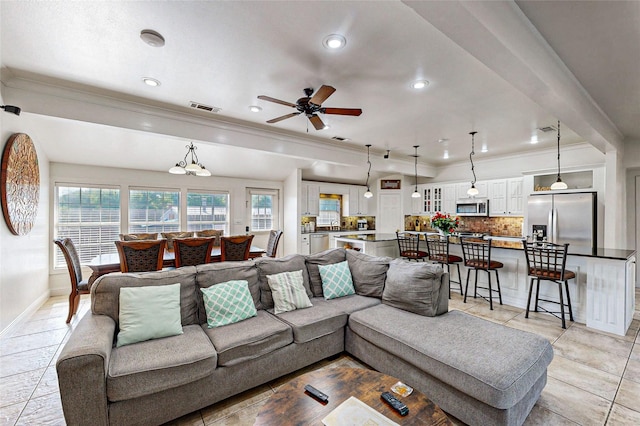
(369, 171)
(415, 167)
(473, 134)
(558, 150)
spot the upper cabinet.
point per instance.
(358, 205)
(515, 197)
(481, 186)
(310, 199)
(449, 197)
(505, 197)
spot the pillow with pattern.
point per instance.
(336, 280)
(228, 302)
(288, 291)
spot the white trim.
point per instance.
(26, 314)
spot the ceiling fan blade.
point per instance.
(284, 117)
(277, 101)
(322, 94)
(316, 121)
(342, 111)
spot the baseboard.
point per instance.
(31, 309)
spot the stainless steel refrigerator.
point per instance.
(564, 218)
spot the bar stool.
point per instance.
(547, 261)
(438, 250)
(409, 246)
(477, 255)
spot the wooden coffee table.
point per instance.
(292, 406)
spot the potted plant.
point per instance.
(444, 223)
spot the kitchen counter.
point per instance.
(378, 244)
(368, 237)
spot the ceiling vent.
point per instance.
(340, 138)
(203, 107)
(548, 129)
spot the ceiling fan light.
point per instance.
(559, 184)
(473, 191)
(368, 194)
(177, 170)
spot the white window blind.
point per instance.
(207, 211)
(153, 210)
(329, 212)
(90, 216)
(264, 209)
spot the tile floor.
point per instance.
(594, 378)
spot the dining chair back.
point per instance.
(547, 262)
(139, 236)
(192, 251)
(476, 253)
(438, 250)
(235, 248)
(409, 246)
(272, 245)
(170, 236)
(141, 256)
(211, 233)
(78, 285)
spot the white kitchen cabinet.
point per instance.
(358, 205)
(497, 197)
(449, 197)
(515, 197)
(481, 186)
(433, 198)
(416, 205)
(305, 245)
(310, 199)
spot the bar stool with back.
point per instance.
(547, 261)
(438, 249)
(477, 255)
(409, 246)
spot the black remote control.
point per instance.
(316, 393)
(395, 403)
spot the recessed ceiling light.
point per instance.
(534, 139)
(484, 148)
(152, 38)
(443, 140)
(255, 108)
(151, 82)
(334, 41)
(446, 154)
(420, 84)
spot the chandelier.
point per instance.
(368, 194)
(194, 168)
(473, 190)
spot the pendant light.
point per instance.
(193, 168)
(368, 194)
(473, 191)
(559, 184)
(416, 194)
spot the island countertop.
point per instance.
(370, 237)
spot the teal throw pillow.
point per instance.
(228, 302)
(288, 291)
(336, 280)
(149, 312)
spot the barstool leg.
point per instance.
(475, 285)
(561, 303)
(499, 290)
(526, 315)
(449, 271)
(459, 278)
(466, 291)
(537, 294)
(490, 290)
(566, 285)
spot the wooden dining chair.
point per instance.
(207, 233)
(235, 248)
(141, 256)
(78, 285)
(192, 251)
(139, 236)
(272, 245)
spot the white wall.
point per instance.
(127, 178)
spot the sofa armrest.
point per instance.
(443, 297)
(82, 370)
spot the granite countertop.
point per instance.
(368, 237)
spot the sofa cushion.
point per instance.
(368, 272)
(288, 292)
(319, 320)
(149, 313)
(327, 257)
(413, 287)
(336, 280)
(105, 291)
(220, 272)
(155, 365)
(270, 266)
(352, 303)
(249, 339)
(495, 364)
(227, 303)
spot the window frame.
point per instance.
(275, 208)
(178, 205)
(227, 224)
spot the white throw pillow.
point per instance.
(288, 291)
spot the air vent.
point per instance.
(340, 138)
(547, 129)
(203, 107)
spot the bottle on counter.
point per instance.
(417, 225)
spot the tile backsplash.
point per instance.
(502, 226)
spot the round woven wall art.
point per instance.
(20, 183)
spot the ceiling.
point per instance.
(502, 69)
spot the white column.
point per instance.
(615, 201)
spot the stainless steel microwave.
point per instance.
(472, 207)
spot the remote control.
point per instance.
(316, 393)
(395, 403)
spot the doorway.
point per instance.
(262, 214)
(390, 218)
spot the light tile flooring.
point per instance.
(594, 378)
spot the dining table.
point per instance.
(110, 262)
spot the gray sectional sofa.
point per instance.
(397, 322)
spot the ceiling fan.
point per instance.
(311, 106)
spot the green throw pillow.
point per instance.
(288, 291)
(149, 312)
(336, 280)
(228, 302)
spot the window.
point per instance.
(90, 216)
(264, 209)
(154, 211)
(329, 210)
(207, 211)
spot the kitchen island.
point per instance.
(377, 244)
